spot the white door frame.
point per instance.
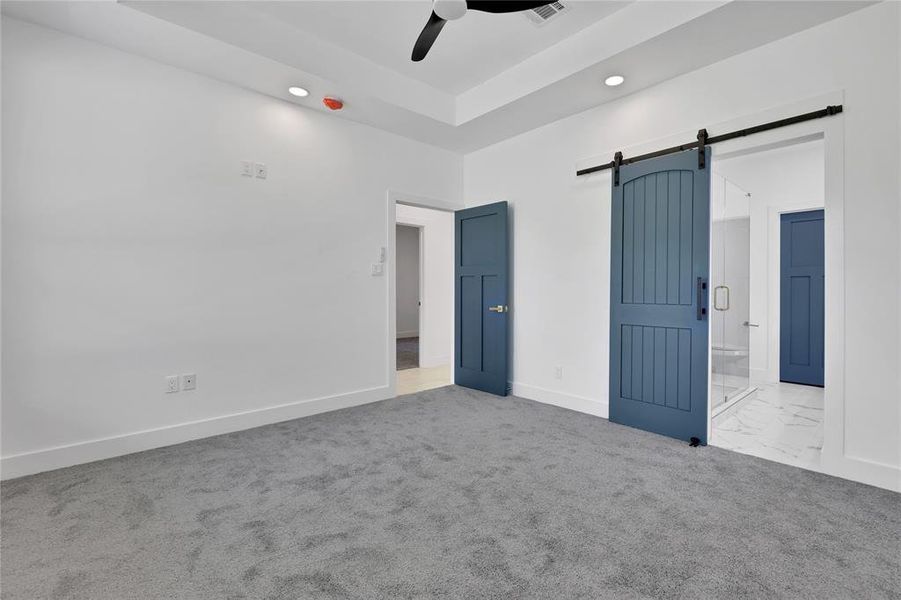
(834, 459)
(831, 130)
(393, 198)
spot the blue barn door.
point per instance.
(802, 292)
(480, 295)
(658, 306)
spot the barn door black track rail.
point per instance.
(704, 140)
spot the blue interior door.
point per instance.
(658, 307)
(802, 293)
(480, 316)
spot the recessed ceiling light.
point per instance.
(614, 80)
(298, 91)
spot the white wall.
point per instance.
(133, 249)
(436, 335)
(407, 254)
(779, 181)
(562, 223)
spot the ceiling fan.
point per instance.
(450, 10)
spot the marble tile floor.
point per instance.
(782, 422)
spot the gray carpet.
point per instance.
(448, 493)
(407, 353)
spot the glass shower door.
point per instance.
(730, 292)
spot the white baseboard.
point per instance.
(862, 470)
(878, 474)
(58, 457)
(407, 334)
(591, 406)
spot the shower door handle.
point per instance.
(716, 298)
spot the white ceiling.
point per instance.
(468, 51)
(491, 76)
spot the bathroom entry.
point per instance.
(802, 286)
(767, 245)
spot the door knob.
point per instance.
(498, 309)
(747, 324)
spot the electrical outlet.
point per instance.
(558, 372)
(171, 383)
(247, 168)
(189, 381)
(383, 254)
(260, 170)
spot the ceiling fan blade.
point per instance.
(427, 37)
(504, 6)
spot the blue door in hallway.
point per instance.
(658, 305)
(802, 298)
(480, 315)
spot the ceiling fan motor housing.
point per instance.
(449, 10)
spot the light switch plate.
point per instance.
(377, 269)
(260, 170)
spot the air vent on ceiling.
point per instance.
(543, 14)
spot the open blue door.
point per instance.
(480, 314)
(802, 302)
(658, 304)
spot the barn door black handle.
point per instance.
(702, 308)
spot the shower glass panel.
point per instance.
(730, 293)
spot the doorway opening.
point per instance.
(408, 256)
(424, 296)
(767, 302)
